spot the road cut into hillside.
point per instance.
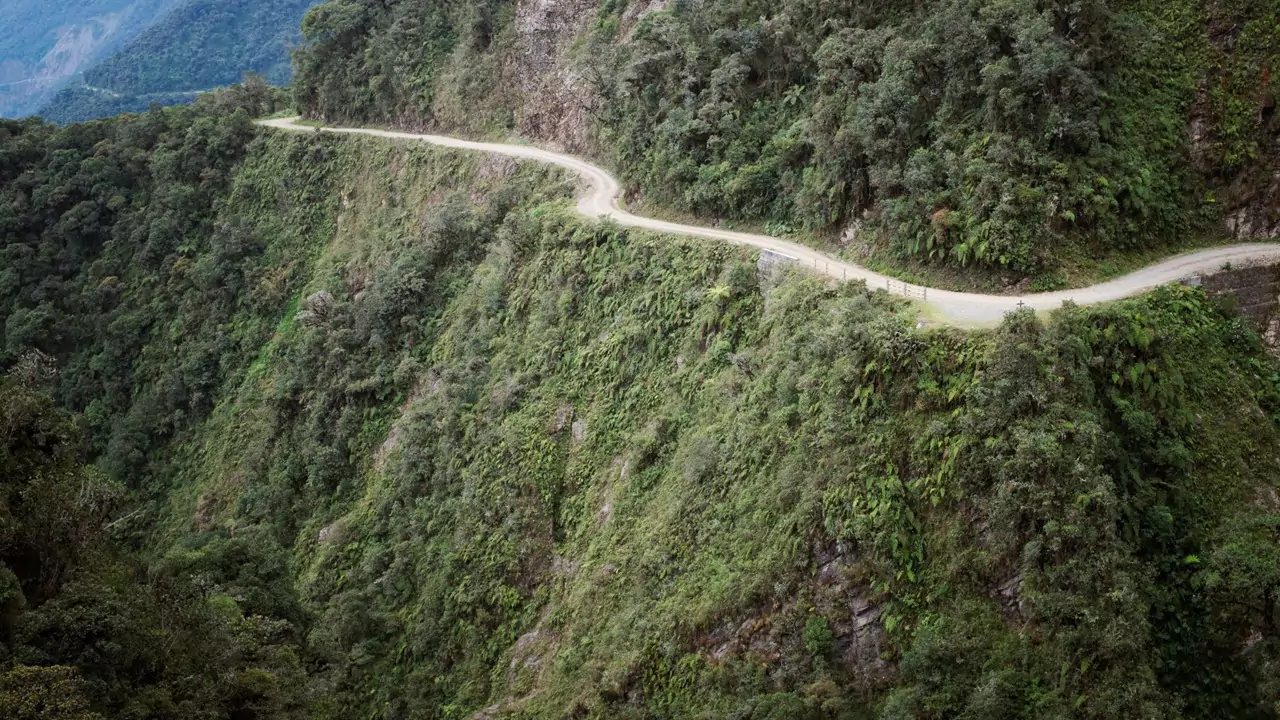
(961, 309)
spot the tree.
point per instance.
(44, 693)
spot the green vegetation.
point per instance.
(387, 431)
(32, 24)
(85, 631)
(81, 102)
(352, 65)
(1007, 134)
(202, 44)
(44, 43)
(206, 44)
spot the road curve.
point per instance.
(943, 306)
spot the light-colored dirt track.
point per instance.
(944, 306)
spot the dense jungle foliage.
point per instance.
(79, 103)
(1002, 133)
(324, 426)
(199, 45)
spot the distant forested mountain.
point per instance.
(201, 44)
(80, 102)
(206, 43)
(45, 44)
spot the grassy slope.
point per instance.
(631, 478)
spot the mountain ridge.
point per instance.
(47, 46)
(192, 47)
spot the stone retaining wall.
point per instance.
(1255, 292)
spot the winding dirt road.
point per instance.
(944, 306)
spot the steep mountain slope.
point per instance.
(86, 627)
(204, 44)
(409, 439)
(201, 44)
(1013, 136)
(45, 44)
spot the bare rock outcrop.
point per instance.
(559, 99)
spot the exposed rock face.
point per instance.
(558, 97)
(859, 636)
(619, 471)
(63, 43)
(1251, 195)
(1009, 594)
(73, 50)
(530, 659)
(1258, 215)
(561, 420)
(316, 309)
(1254, 290)
(1254, 193)
(861, 640)
(855, 616)
(206, 513)
(638, 9)
(335, 532)
(210, 504)
(852, 611)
